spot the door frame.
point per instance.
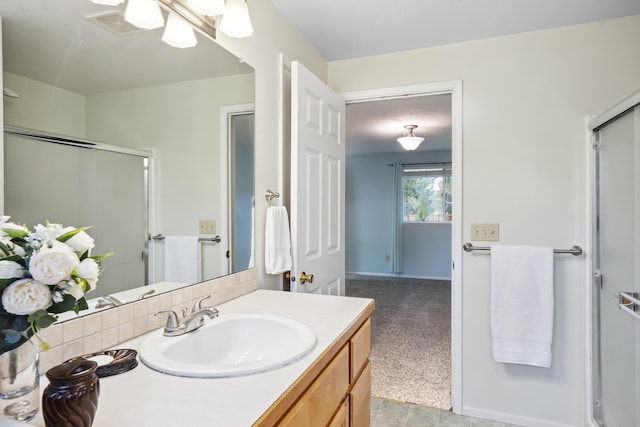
(226, 113)
(453, 87)
(593, 123)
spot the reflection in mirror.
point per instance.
(155, 107)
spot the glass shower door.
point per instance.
(616, 317)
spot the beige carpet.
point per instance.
(410, 338)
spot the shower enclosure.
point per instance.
(616, 265)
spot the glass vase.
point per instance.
(20, 382)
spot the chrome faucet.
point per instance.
(108, 301)
(175, 326)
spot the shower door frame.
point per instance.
(592, 334)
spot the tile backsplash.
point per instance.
(108, 328)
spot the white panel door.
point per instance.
(317, 184)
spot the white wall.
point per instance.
(181, 123)
(525, 100)
(44, 107)
(369, 207)
(272, 35)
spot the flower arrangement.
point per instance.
(43, 272)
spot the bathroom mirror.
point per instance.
(79, 70)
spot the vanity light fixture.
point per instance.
(207, 7)
(178, 32)
(144, 14)
(410, 142)
(236, 21)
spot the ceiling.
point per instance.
(373, 127)
(345, 29)
(51, 41)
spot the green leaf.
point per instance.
(6, 282)
(82, 304)
(101, 257)
(11, 336)
(45, 321)
(4, 248)
(69, 234)
(68, 302)
(12, 232)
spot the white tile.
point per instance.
(110, 337)
(72, 349)
(52, 335)
(72, 330)
(92, 324)
(49, 359)
(125, 331)
(125, 313)
(109, 318)
(140, 309)
(140, 326)
(92, 343)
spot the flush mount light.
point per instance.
(410, 142)
(178, 33)
(207, 7)
(236, 21)
(144, 14)
(108, 2)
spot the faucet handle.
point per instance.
(198, 305)
(172, 318)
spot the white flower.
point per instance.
(11, 270)
(88, 269)
(72, 288)
(26, 296)
(53, 264)
(45, 233)
(10, 226)
(80, 242)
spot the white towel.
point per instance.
(181, 259)
(522, 304)
(277, 251)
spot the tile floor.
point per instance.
(388, 413)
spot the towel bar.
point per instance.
(575, 250)
(214, 239)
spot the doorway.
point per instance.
(454, 90)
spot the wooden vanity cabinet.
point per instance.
(334, 391)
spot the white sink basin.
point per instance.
(229, 345)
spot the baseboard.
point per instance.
(404, 276)
(510, 418)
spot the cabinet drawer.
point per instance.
(360, 397)
(318, 404)
(342, 416)
(360, 345)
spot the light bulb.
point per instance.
(144, 14)
(236, 21)
(178, 33)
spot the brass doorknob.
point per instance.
(306, 278)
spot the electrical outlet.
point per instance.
(207, 226)
(388, 257)
(488, 232)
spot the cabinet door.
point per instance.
(360, 345)
(318, 404)
(342, 416)
(360, 397)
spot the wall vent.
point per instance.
(114, 22)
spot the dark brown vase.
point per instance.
(71, 398)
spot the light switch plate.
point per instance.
(487, 231)
(207, 226)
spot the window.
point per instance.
(426, 193)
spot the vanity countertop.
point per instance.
(144, 397)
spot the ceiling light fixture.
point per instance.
(410, 142)
(178, 32)
(236, 21)
(207, 7)
(144, 14)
